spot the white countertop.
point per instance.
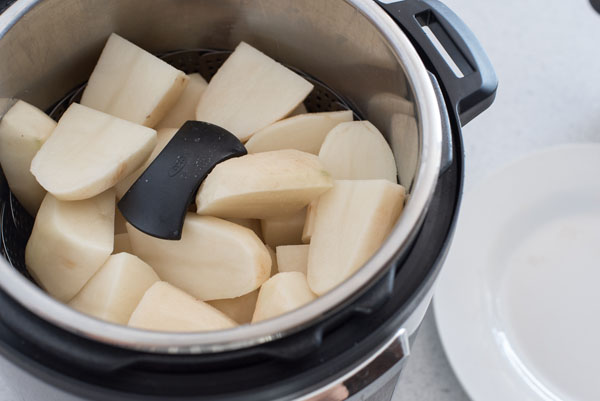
(547, 58)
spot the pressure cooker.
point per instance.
(411, 67)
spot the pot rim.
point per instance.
(55, 312)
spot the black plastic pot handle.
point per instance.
(468, 95)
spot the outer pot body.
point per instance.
(354, 350)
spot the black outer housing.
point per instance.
(281, 369)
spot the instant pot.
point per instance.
(411, 67)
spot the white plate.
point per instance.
(518, 301)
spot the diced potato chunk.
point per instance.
(214, 259)
(163, 136)
(273, 255)
(89, 152)
(185, 108)
(282, 293)
(132, 84)
(357, 151)
(351, 223)
(122, 243)
(167, 308)
(262, 185)
(115, 290)
(252, 224)
(309, 223)
(119, 222)
(305, 132)
(284, 230)
(69, 242)
(292, 258)
(405, 143)
(239, 309)
(23, 130)
(249, 92)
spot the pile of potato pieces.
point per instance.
(311, 202)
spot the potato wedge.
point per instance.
(239, 309)
(252, 224)
(292, 258)
(132, 84)
(262, 185)
(89, 152)
(351, 223)
(249, 92)
(163, 136)
(122, 243)
(282, 293)
(284, 230)
(167, 308)
(305, 132)
(357, 151)
(309, 223)
(69, 242)
(214, 259)
(115, 290)
(23, 131)
(185, 108)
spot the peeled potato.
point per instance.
(274, 269)
(351, 223)
(405, 143)
(292, 258)
(163, 136)
(249, 92)
(252, 224)
(167, 308)
(301, 109)
(185, 108)
(357, 151)
(132, 84)
(214, 259)
(116, 289)
(23, 130)
(69, 242)
(282, 293)
(309, 223)
(89, 152)
(122, 243)
(305, 132)
(284, 230)
(119, 222)
(262, 185)
(239, 309)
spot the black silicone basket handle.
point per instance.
(470, 94)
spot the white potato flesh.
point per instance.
(284, 230)
(292, 258)
(351, 223)
(305, 132)
(185, 108)
(69, 242)
(357, 151)
(309, 223)
(405, 143)
(163, 136)
(273, 255)
(167, 308)
(252, 224)
(282, 293)
(301, 109)
(214, 259)
(249, 92)
(89, 152)
(122, 243)
(119, 222)
(263, 185)
(23, 130)
(132, 84)
(115, 290)
(239, 309)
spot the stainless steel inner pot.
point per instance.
(48, 47)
